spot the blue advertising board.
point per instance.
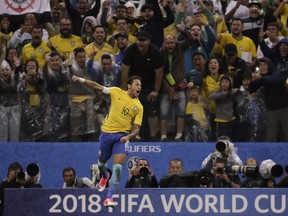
(54, 157)
(145, 202)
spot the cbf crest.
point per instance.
(19, 5)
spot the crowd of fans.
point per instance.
(208, 68)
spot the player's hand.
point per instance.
(125, 139)
(75, 78)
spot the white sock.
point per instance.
(163, 137)
(178, 135)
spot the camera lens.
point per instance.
(220, 146)
(32, 169)
(21, 175)
(143, 172)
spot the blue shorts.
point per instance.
(109, 143)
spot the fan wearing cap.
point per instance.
(121, 28)
(153, 22)
(257, 21)
(245, 47)
(234, 66)
(275, 98)
(122, 43)
(10, 111)
(143, 59)
(278, 55)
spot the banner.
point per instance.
(54, 157)
(182, 202)
(19, 7)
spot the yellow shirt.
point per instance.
(208, 87)
(38, 53)
(124, 111)
(131, 39)
(198, 112)
(106, 49)
(66, 46)
(243, 45)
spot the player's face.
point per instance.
(135, 88)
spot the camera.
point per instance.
(20, 175)
(247, 170)
(224, 146)
(268, 169)
(221, 170)
(143, 172)
(205, 178)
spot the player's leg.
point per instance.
(118, 161)
(104, 154)
(119, 157)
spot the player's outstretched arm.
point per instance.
(88, 83)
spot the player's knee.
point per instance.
(117, 169)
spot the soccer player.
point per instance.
(120, 125)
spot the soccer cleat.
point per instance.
(109, 202)
(103, 182)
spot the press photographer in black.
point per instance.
(16, 178)
(253, 180)
(142, 176)
(224, 178)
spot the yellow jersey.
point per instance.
(66, 46)
(106, 49)
(124, 111)
(243, 45)
(38, 53)
(208, 87)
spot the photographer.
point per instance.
(221, 178)
(224, 149)
(71, 181)
(142, 176)
(255, 180)
(177, 177)
(15, 179)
